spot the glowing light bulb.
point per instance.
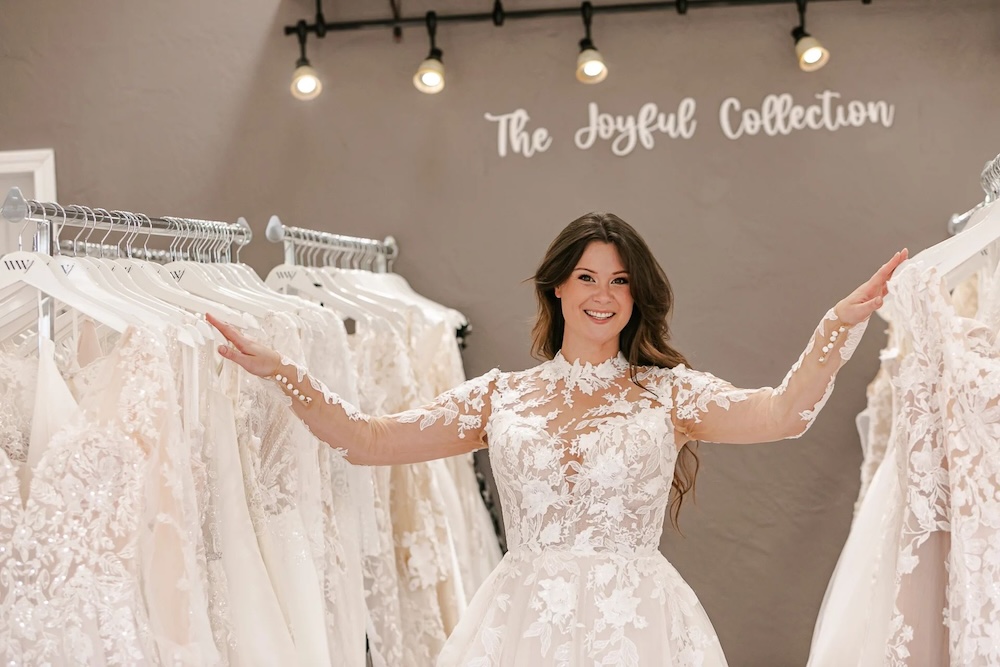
(305, 83)
(590, 67)
(430, 76)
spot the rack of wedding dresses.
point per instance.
(428, 541)
(157, 504)
(918, 581)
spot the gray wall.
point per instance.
(183, 108)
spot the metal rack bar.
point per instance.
(48, 215)
(50, 218)
(296, 239)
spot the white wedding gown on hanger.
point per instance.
(97, 562)
(916, 583)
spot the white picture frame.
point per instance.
(39, 166)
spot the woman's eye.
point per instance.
(586, 276)
(620, 281)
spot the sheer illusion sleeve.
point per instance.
(451, 424)
(710, 409)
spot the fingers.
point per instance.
(884, 273)
(872, 305)
(231, 333)
(877, 282)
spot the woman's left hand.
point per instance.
(865, 300)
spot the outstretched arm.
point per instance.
(451, 424)
(707, 408)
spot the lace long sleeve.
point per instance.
(710, 409)
(451, 424)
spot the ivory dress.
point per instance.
(584, 457)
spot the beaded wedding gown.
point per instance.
(584, 457)
(97, 562)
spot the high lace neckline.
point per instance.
(618, 362)
(585, 376)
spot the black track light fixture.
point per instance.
(590, 67)
(305, 82)
(809, 52)
(430, 75)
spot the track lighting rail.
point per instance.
(498, 16)
(590, 64)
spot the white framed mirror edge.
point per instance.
(40, 162)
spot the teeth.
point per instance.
(598, 314)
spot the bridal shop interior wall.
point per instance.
(183, 108)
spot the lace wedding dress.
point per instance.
(584, 457)
(916, 583)
(97, 555)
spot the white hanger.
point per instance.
(960, 256)
(30, 269)
(147, 278)
(298, 281)
(376, 305)
(192, 277)
(123, 296)
(242, 279)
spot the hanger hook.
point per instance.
(222, 231)
(204, 239)
(83, 227)
(311, 248)
(105, 216)
(359, 250)
(239, 242)
(192, 239)
(57, 226)
(318, 248)
(182, 235)
(126, 236)
(143, 218)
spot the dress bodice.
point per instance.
(583, 456)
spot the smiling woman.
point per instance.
(590, 307)
(585, 448)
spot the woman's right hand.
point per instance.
(255, 358)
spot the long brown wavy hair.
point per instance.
(643, 341)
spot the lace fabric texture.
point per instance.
(99, 566)
(584, 458)
(917, 577)
(281, 473)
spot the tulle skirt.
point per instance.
(561, 608)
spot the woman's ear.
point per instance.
(558, 296)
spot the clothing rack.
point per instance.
(989, 179)
(191, 239)
(50, 218)
(158, 255)
(304, 246)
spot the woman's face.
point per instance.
(596, 298)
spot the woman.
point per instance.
(585, 448)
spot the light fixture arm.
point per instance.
(301, 32)
(587, 12)
(799, 31)
(320, 20)
(431, 20)
(498, 13)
